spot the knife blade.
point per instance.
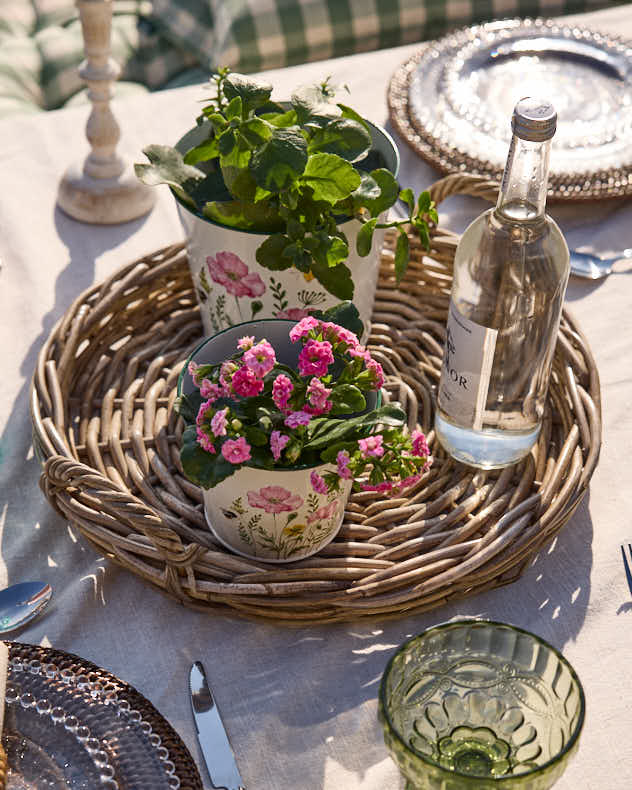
(216, 748)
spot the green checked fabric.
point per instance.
(253, 35)
(167, 43)
(41, 47)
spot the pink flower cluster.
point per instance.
(317, 355)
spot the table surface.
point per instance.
(299, 703)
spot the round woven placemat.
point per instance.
(104, 426)
(615, 182)
(179, 755)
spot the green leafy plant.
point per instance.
(293, 171)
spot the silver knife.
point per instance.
(216, 748)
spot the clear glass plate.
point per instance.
(462, 89)
(64, 730)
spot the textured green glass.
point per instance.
(478, 705)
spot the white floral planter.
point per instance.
(232, 287)
(275, 515)
(268, 514)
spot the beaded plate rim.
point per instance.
(73, 669)
(609, 183)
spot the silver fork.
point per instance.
(627, 564)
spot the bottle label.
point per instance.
(467, 365)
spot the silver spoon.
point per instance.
(21, 603)
(591, 267)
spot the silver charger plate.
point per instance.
(452, 102)
(69, 729)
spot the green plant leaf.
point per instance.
(347, 399)
(349, 112)
(424, 202)
(336, 279)
(280, 119)
(280, 161)
(168, 167)
(234, 108)
(338, 251)
(215, 118)
(407, 196)
(344, 137)
(312, 105)
(255, 437)
(401, 255)
(227, 141)
(255, 131)
(368, 190)
(364, 239)
(240, 182)
(270, 253)
(344, 314)
(209, 149)
(244, 215)
(388, 189)
(253, 94)
(187, 406)
(334, 430)
(330, 177)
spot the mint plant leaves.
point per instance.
(270, 168)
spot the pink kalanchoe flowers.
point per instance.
(210, 390)
(201, 415)
(377, 374)
(282, 388)
(296, 418)
(317, 394)
(342, 459)
(346, 336)
(237, 451)
(371, 446)
(260, 358)
(205, 441)
(246, 383)
(246, 342)
(230, 271)
(315, 358)
(226, 372)
(359, 352)
(318, 483)
(278, 441)
(420, 445)
(274, 499)
(303, 328)
(218, 423)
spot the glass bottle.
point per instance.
(511, 269)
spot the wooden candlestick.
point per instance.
(103, 188)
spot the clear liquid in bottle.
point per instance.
(510, 274)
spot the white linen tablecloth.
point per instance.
(299, 703)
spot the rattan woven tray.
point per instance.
(103, 423)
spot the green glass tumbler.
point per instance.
(479, 705)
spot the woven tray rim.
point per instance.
(186, 769)
(295, 593)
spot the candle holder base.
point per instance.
(104, 201)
